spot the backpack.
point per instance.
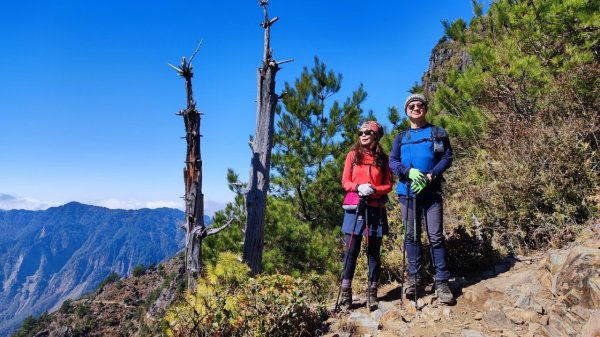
(437, 140)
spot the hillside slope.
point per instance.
(64, 252)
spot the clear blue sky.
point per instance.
(87, 100)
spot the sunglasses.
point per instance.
(365, 133)
(415, 106)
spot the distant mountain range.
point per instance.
(64, 252)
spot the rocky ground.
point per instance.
(552, 294)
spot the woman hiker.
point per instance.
(366, 172)
(419, 157)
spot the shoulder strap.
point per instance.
(400, 137)
(438, 132)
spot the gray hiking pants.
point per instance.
(429, 207)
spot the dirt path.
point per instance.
(553, 294)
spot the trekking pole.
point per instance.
(415, 241)
(405, 224)
(367, 248)
(348, 245)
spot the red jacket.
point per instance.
(367, 173)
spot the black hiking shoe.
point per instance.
(409, 288)
(346, 301)
(443, 293)
(372, 302)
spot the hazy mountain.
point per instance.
(64, 252)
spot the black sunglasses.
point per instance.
(365, 133)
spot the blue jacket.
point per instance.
(426, 149)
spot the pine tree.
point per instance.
(311, 140)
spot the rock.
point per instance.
(583, 313)
(446, 313)
(509, 333)
(492, 305)
(577, 280)
(364, 320)
(377, 314)
(523, 301)
(393, 320)
(515, 318)
(594, 286)
(556, 259)
(592, 327)
(478, 316)
(495, 319)
(538, 308)
(533, 327)
(471, 333)
(529, 315)
(544, 320)
(471, 296)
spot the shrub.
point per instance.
(228, 302)
(66, 307)
(111, 278)
(138, 270)
(82, 310)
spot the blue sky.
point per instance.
(88, 103)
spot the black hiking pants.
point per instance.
(373, 256)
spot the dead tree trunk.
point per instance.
(258, 184)
(196, 231)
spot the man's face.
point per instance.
(416, 111)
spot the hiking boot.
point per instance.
(346, 300)
(372, 302)
(443, 292)
(409, 288)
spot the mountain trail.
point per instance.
(553, 294)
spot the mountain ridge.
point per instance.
(65, 251)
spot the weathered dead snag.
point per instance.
(258, 184)
(195, 228)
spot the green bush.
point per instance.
(31, 325)
(66, 307)
(230, 303)
(524, 120)
(111, 278)
(138, 270)
(82, 310)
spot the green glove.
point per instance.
(416, 176)
(418, 186)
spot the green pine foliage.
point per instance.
(524, 114)
(311, 133)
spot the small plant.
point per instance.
(138, 270)
(111, 278)
(66, 307)
(82, 310)
(152, 297)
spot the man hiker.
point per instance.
(419, 156)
